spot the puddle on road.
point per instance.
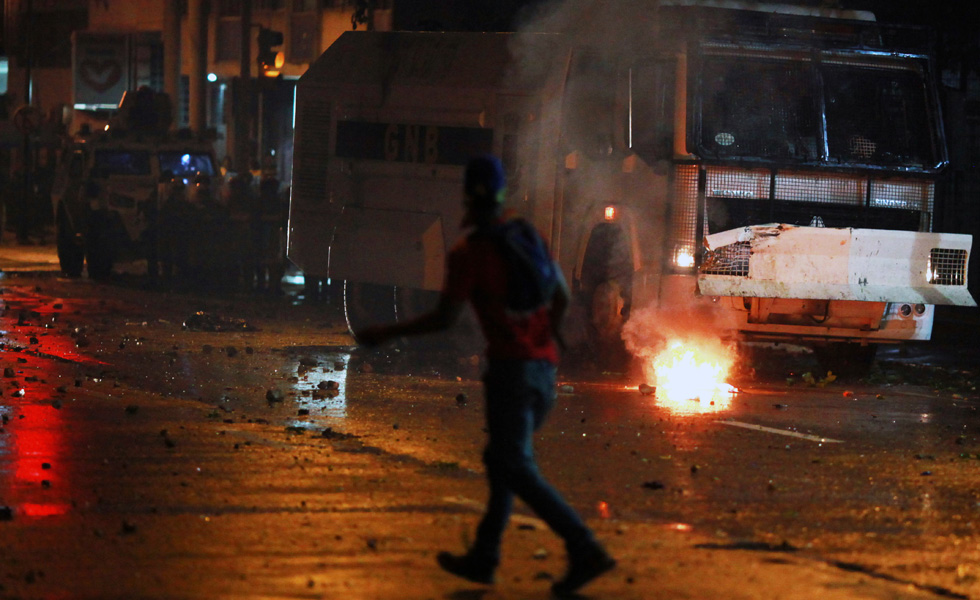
(321, 384)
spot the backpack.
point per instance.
(532, 275)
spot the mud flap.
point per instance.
(390, 247)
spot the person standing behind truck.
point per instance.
(520, 297)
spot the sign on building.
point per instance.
(100, 68)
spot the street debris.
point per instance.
(205, 321)
(323, 394)
(330, 434)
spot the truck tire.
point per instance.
(463, 340)
(367, 304)
(604, 298)
(71, 254)
(607, 313)
(99, 248)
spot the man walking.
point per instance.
(520, 298)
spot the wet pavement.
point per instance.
(140, 458)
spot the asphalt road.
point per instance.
(143, 459)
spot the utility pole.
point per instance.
(25, 217)
(198, 28)
(243, 100)
(171, 59)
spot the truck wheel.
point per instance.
(465, 339)
(606, 320)
(99, 251)
(846, 359)
(71, 255)
(604, 297)
(367, 304)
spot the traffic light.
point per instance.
(270, 61)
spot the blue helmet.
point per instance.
(484, 179)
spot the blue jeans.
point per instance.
(519, 394)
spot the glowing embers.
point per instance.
(690, 376)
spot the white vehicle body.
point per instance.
(726, 159)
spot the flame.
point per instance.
(690, 376)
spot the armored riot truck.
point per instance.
(777, 165)
(105, 195)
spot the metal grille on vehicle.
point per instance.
(724, 182)
(738, 197)
(684, 220)
(910, 195)
(732, 260)
(947, 267)
(805, 187)
(312, 150)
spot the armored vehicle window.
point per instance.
(757, 108)
(185, 165)
(121, 162)
(877, 116)
(589, 106)
(651, 119)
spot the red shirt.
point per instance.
(477, 273)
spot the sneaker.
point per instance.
(466, 566)
(582, 570)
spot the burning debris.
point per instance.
(684, 361)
